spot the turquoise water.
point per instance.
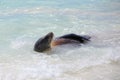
(23, 22)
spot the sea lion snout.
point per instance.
(49, 36)
(44, 43)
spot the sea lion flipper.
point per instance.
(81, 39)
(86, 37)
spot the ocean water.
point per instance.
(23, 22)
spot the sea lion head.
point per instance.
(44, 43)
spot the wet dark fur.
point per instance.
(44, 43)
(81, 39)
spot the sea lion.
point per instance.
(45, 43)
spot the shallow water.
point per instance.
(24, 22)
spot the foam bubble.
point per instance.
(17, 44)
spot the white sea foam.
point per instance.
(64, 62)
(61, 63)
